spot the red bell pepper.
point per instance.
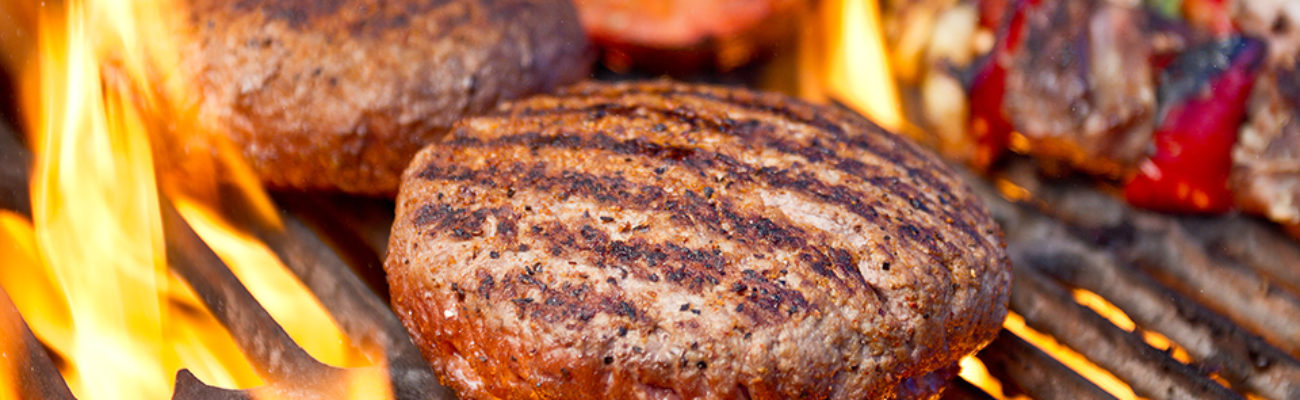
(990, 127)
(1203, 103)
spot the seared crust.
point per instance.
(1266, 159)
(340, 94)
(1080, 88)
(662, 240)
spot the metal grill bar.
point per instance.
(24, 356)
(1048, 306)
(1023, 368)
(1087, 239)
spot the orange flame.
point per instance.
(1122, 320)
(88, 273)
(1077, 362)
(842, 56)
(974, 371)
(858, 73)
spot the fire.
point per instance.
(88, 272)
(1122, 320)
(1077, 362)
(844, 58)
(974, 371)
(283, 295)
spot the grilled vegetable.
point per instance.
(1203, 103)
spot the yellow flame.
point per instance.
(370, 383)
(199, 343)
(33, 289)
(1117, 316)
(1011, 191)
(1104, 308)
(29, 288)
(858, 71)
(95, 213)
(88, 273)
(282, 294)
(1072, 359)
(974, 371)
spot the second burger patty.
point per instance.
(339, 95)
(662, 240)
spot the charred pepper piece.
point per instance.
(988, 124)
(1202, 104)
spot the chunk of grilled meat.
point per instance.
(662, 240)
(341, 94)
(1081, 87)
(1266, 160)
(1275, 21)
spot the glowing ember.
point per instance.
(88, 273)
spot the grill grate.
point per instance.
(1223, 289)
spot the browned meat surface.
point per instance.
(1266, 160)
(1275, 21)
(340, 94)
(681, 36)
(661, 240)
(1081, 88)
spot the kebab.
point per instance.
(1189, 106)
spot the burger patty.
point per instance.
(341, 94)
(663, 240)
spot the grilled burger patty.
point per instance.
(341, 94)
(663, 240)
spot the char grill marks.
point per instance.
(628, 144)
(623, 234)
